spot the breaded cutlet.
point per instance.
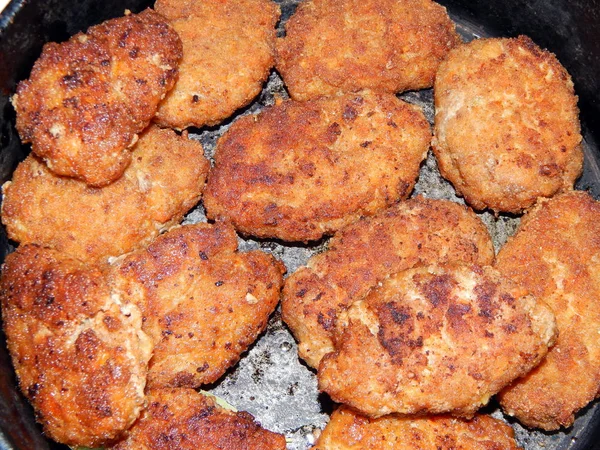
(348, 430)
(78, 348)
(555, 254)
(506, 124)
(416, 231)
(203, 302)
(301, 170)
(87, 99)
(435, 340)
(347, 45)
(228, 51)
(184, 419)
(164, 180)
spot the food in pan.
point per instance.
(555, 254)
(299, 170)
(203, 302)
(417, 231)
(164, 180)
(179, 282)
(228, 49)
(80, 354)
(348, 430)
(506, 124)
(87, 99)
(435, 339)
(184, 419)
(343, 46)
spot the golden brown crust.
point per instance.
(344, 46)
(348, 430)
(556, 255)
(435, 339)
(506, 126)
(186, 420)
(300, 170)
(417, 231)
(203, 303)
(88, 98)
(165, 179)
(228, 52)
(79, 352)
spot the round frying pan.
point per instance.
(270, 382)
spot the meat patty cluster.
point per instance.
(115, 313)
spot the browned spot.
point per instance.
(183, 379)
(398, 313)
(87, 344)
(327, 320)
(437, 289)
(349, 113)
(549, 170)
(112, 323)
(332, 133)
(403, 189)
(484, 294)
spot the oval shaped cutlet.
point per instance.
(416, 231)
(228, 50)
(203, 302)
(184, 419)
(556, 255)
(348, 430)
(87, 99)
(506, 124)
(79, 352)
(298, 171)
(435, 339)
(164, 180)
(339, 46)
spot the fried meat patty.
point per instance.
(555, 254)
(184, 419)
(506, 124)
(228, 50)
(87, 99)
(348, 430)
(435, 339)
(165, 179)
(347, 45)
(300, 170)
(417, 231)
(78, 349)
(203, 302)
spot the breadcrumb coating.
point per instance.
(203, 303)
(78, 348)
(417, 231)
(339, 46)
(228, 51)
(301, 170)
(555, 254)
(433, 340)
(184, 419)
(87, 99)
(165, 179)
(506, 124)
(348, 430)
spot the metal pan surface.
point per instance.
(270, 382)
